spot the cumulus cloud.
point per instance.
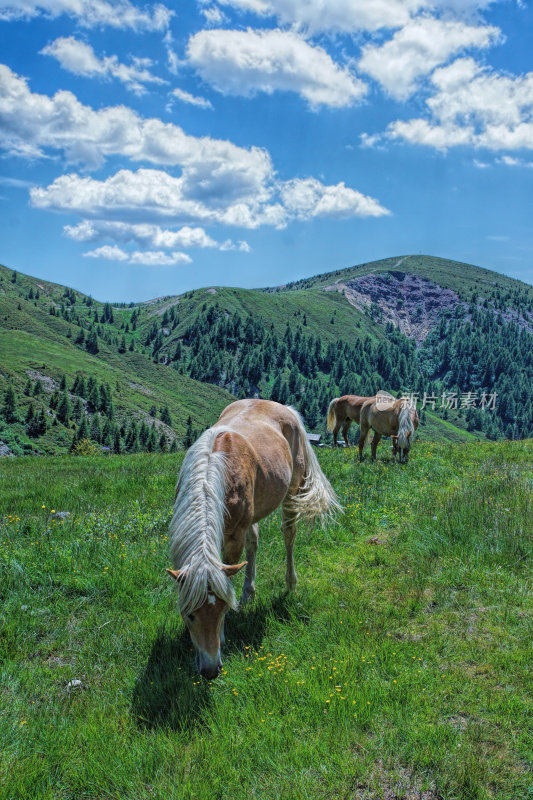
(307, 198)
(91, 13)
(155, 195)
(349, 16)
(192, 99)
(344, 16)
(214, 172)
(246, 62)
(78, 57)
(152, 195)
(473, 106)
(418, 48)
(111, 253)
(146, 235)
(148, 257)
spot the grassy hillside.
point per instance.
(399, 669)
(46, 330)
(36, 344)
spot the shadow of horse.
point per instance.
(170, 693)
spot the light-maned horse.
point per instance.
(343, 411)
(254, 459)
(387, 416)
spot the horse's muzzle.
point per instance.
(208, 669)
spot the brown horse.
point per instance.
(255, 458)
(387, 416)
(343, 411)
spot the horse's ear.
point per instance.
(230, 570)
(177, 574)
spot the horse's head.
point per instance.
(205, 624)
(403, 445)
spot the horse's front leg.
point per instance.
(251, 542)
(288, 527)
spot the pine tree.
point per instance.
(96, 430)
(163, 448)
(91, 345)
(165, 416)
(64, 409)
(188, 434)
(9, 409)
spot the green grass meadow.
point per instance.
(399, 669)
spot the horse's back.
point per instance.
(265, 449)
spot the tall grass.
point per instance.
(399, 668)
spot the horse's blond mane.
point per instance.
(405, 425)
(197, 525)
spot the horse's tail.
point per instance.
(332, 417)
(406, 428)
(315, 497)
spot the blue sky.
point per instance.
(148, 149)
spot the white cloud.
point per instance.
(344, 16)
(113, 253)
(247, 62)
(213, 16)
(509, 161)
(147, 257)
(146, 235)
(91, 13)
(473, 106)
(307, 198)
(244, 247)
(78, 57)
(418, 48)
(215, 173)
(349, 16)
(152, 195)
(186, 97)
(157, 258)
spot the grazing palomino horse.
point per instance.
(343, 411)
(387, 416)
(255, 458)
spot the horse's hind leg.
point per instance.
(336, 430)
(288, 527)
(363, 433)
(345, 429)
(252, 539)
(374, 446)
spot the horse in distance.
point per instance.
(387, 416)
(343, 411)
(254, 459)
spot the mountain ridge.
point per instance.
(304, 343)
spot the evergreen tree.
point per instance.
(64, 409)
(188, 434)
(9, 409)
(96, 430)
(165, 416)
(91, 345)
